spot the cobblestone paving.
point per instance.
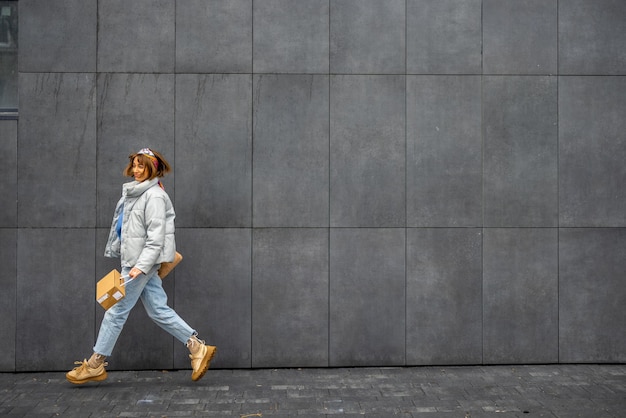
(555, 391)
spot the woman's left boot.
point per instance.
(91, 370)
(200, 355)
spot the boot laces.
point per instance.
(84, 364)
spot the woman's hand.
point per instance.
(134, 272)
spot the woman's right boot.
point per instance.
(200, 355)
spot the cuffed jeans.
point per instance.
(149, 289)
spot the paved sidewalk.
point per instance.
(563, 391)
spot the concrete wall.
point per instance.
(357, 182)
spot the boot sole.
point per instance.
(204, 366)
(98, 378)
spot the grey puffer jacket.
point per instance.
(147, 226)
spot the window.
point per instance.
(8, 58)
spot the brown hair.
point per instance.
(147, 161)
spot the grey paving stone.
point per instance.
(551, 391)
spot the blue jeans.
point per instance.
(149, 289)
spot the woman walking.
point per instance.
(142, 236)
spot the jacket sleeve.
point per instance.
(155, 233)
(112, 248)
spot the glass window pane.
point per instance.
(8, 56)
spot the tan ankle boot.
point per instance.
(88, 371)
(200, 356)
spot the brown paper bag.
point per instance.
(166, 268)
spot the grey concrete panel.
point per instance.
(368, 37)
(214, 36)
(136, 36)
(444, 36)
(8, 173)
(57, 36)
(57, 150)
(8, 298)
(520, 37)
(344, 114)
(290, 298)
(291, 151)
(444, 296)
(592, 37)
(291, 37)
(134, 111)
(214, 150)
(592, 263)
(142, 345)
(444, 151)
(213, 293)
(592, 147)
(55, 297)
(367, 297)
(520, 295)
(367, 151)
(520, 151)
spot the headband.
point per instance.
(148, 153)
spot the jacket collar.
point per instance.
(135, 188)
